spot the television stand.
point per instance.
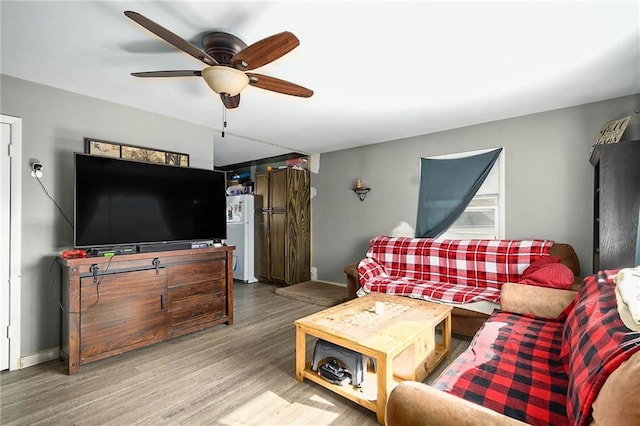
(116, 304)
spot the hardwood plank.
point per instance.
(238, 374)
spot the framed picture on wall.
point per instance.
(132, 152)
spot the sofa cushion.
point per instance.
(548, 272)
(595, 343)
(429, 290)
(512, 367)
(537, 301)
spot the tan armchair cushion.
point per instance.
(417, 404)
(618, 402)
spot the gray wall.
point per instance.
(548, 176)
(54, 123)
(549, 181)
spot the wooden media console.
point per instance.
(112, 305)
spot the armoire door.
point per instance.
(278, 199)
(261, 226)
(277, 246)
(278, 190)
(616, 204)
(261, 245)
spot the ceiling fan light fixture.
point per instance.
(226, 57)
(224, 79)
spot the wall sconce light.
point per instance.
(361, 190)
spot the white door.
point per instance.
(5, 226)
(10, 241)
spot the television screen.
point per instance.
(122, 202)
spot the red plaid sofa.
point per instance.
(452, 271)
(580, 367)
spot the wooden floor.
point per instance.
(242, 374)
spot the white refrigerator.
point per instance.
(240, 230)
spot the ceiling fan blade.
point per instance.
(176, 73)
(170, 37)
(264, 51)
(230, 102)
(277, 85)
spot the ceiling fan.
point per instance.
(227, 58)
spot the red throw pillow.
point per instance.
(548, 272)
(544, 260)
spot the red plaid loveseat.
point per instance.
(458, 272)
(453, 271)
(577, 368)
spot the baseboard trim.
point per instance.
(40, 357)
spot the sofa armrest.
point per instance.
(413, 403)
(353, 283)
(542, 302)
(567, 256)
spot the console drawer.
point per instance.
(196, 315)
(187, 295)
(189, 273)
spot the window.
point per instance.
(484, 216)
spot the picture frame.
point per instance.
(132, 152)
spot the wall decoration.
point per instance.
(132, 152)
(612, 131)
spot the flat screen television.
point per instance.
(125, 203)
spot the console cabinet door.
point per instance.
(121, 312)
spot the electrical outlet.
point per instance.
(36, 170)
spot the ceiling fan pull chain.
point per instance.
(224, 119)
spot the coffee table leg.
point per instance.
(446, 335)
(384, 375)
(300, 352)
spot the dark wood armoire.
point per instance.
(282, 226)
(616, 202)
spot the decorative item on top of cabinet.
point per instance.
(282, 226)
(616, 200)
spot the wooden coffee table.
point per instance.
(402, 340)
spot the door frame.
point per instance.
(14, 262)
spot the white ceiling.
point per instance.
(380, 70)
